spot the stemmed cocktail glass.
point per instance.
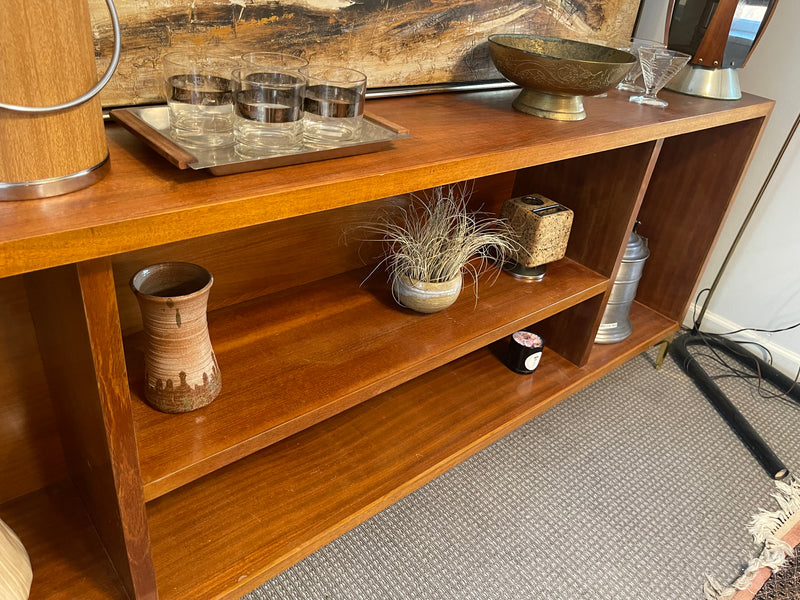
(659, 65)
(628, 84)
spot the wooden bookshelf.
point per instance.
(344, 343)
(336, 402)
(67, 557)
(292, 498)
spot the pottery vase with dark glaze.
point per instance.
(181, 371)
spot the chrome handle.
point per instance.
(112, 10)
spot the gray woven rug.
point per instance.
(633, 488)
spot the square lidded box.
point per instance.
(542, 225)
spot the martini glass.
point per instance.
(659, 65)
(628, 83)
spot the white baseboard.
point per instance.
(783, 359)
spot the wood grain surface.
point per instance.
(680, 205)
(77, 324)
(605, 200)
(68, 559)
(280, 505)
(712, 47)
(30, 447)
(292, 359)
(255, 516)
(395, 42)
(603, 197)
(145, 201)
(45, 61)
(270, 258)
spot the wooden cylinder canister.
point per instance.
(47, 58)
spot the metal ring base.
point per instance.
(526, 273)
(54, 186)
(719, 84)
(550, 106)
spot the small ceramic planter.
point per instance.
(426, 297)
(181, 371)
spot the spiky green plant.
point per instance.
(436, 238)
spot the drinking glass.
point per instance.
(199, 97)
(659, 65)
(268, 111)
(334, 104)
(628, 83)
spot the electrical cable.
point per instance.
(795, 326)
(746, 375)
(679, 350)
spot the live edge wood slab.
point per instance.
(335, 401)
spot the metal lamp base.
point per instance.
(719, 84)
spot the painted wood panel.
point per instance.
(395, 42)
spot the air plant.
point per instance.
(436, 238)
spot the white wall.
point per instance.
(761, 284)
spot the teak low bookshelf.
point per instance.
(335, 402)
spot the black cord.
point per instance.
(796, 325)
(747, 376)
(694, 309)
(694, 314)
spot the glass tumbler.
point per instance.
(334, 104)
(199, 97)
(268, 111)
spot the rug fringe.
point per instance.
(763, 528)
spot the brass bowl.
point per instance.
(555, 73)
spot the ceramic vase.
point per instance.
(424, 296)
(181, 371)
(15, 566)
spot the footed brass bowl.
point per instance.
(555, 74)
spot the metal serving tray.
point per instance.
(151, 124)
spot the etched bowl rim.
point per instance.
(496, 38)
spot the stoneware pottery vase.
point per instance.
(423, 296)
(15, 566)
(181, 372)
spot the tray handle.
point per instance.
(399, 129)
(160, 143)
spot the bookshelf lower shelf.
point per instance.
(66, 555)
(227, 533)
(293, 359)
(249, 521)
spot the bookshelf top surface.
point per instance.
(144, 201)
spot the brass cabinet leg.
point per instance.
(663, 348)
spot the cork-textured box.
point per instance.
(542, 225)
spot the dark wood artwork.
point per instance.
(395, 42)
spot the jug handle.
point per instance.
(112, 10)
